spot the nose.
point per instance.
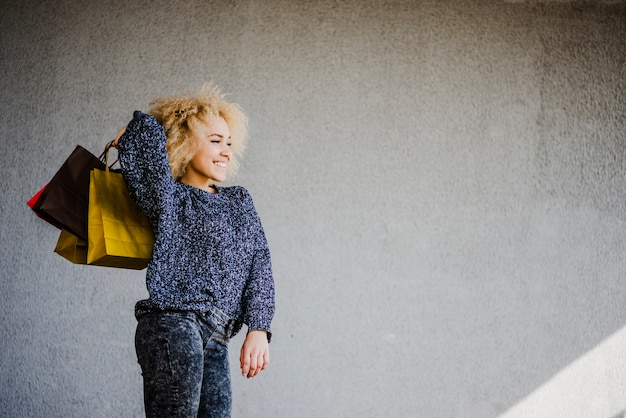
(226, 151)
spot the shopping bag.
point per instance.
(33, 201)
(72, 248)
(119, 235)
(63, 201)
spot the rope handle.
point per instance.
(104, 157)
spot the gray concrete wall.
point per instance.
(442, 185)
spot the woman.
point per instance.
(210, 270)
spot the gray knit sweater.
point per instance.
(209, 250)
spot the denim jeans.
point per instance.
(184, 363)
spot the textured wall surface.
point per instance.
(442, 184)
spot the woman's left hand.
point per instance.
(255, 354)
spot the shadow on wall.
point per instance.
(592, 386)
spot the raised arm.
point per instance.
(145, 166)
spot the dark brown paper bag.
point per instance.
(64, 201)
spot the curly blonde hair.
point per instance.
(180, 117)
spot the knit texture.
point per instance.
(209, 249)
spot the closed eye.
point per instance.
(216, 139)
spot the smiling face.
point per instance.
(210, 163)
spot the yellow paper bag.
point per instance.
(118, 234)
(72, 248)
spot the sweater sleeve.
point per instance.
(145, 165)
(258, 298)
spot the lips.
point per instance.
(220, 164)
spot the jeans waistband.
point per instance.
(230, 325)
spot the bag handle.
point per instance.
(105, 156)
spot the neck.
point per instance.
(207, 187)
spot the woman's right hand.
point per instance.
(116, 141)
